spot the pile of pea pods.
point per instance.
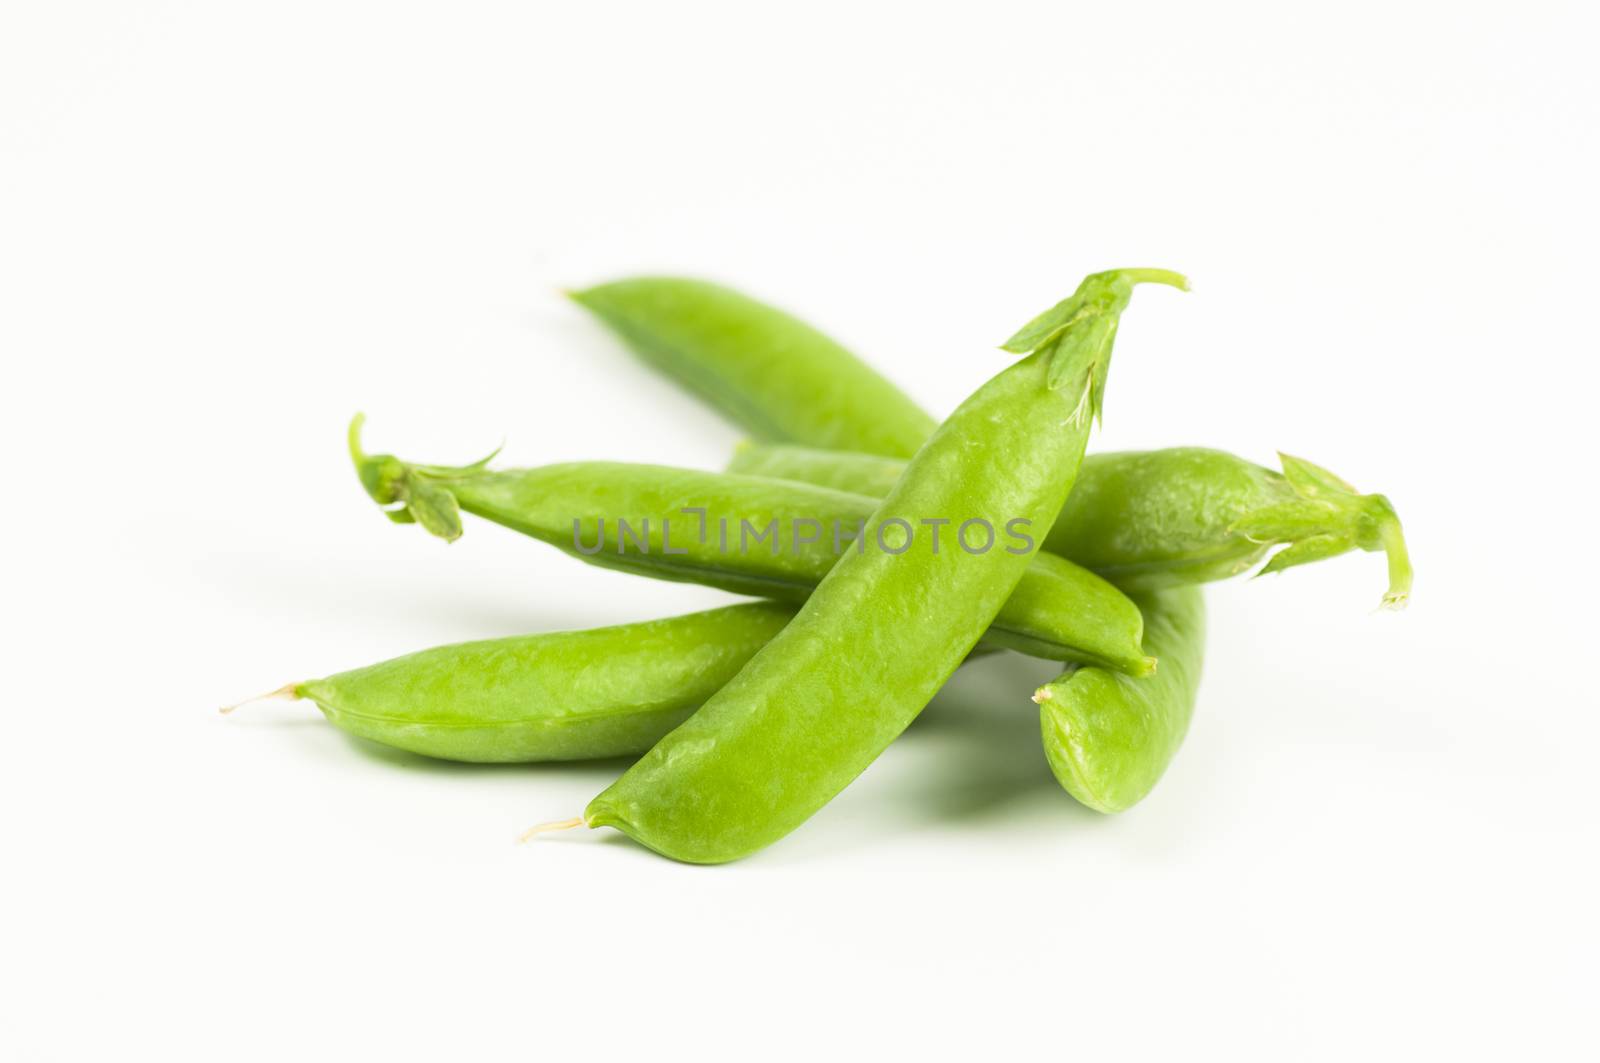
(888, 549)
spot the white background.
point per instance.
(224, 229)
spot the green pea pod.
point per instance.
(1108, 738)
(562, 695)
(567, 695)
(1163, 518)
(748, 535)
(774, 376)
(882, 632)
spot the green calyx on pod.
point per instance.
(1081, 329)
(1326, 518)
(412, 494)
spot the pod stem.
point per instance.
(288, 690)
(352, 437)
(412, 494)
(1079, 331)
(1394, 546)
(1322, 516)
(555, 825)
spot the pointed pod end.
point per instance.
(288, 690)
(584, 297)
(545, 828)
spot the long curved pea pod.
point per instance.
(1164, 518)
(882, 633)
(1109, 738)
(774, 376)
(568, 695)
(744, 534)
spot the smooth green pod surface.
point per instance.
(882, 632)
(565, 695)
(744, 534)
(562, 695)
(1108, 738)
(775, 376)
(1163, 518)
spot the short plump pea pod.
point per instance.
(774, 376)
(881, 633)
(1163, 518)
(751, 535)
(1109, 738)
(567, 695)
